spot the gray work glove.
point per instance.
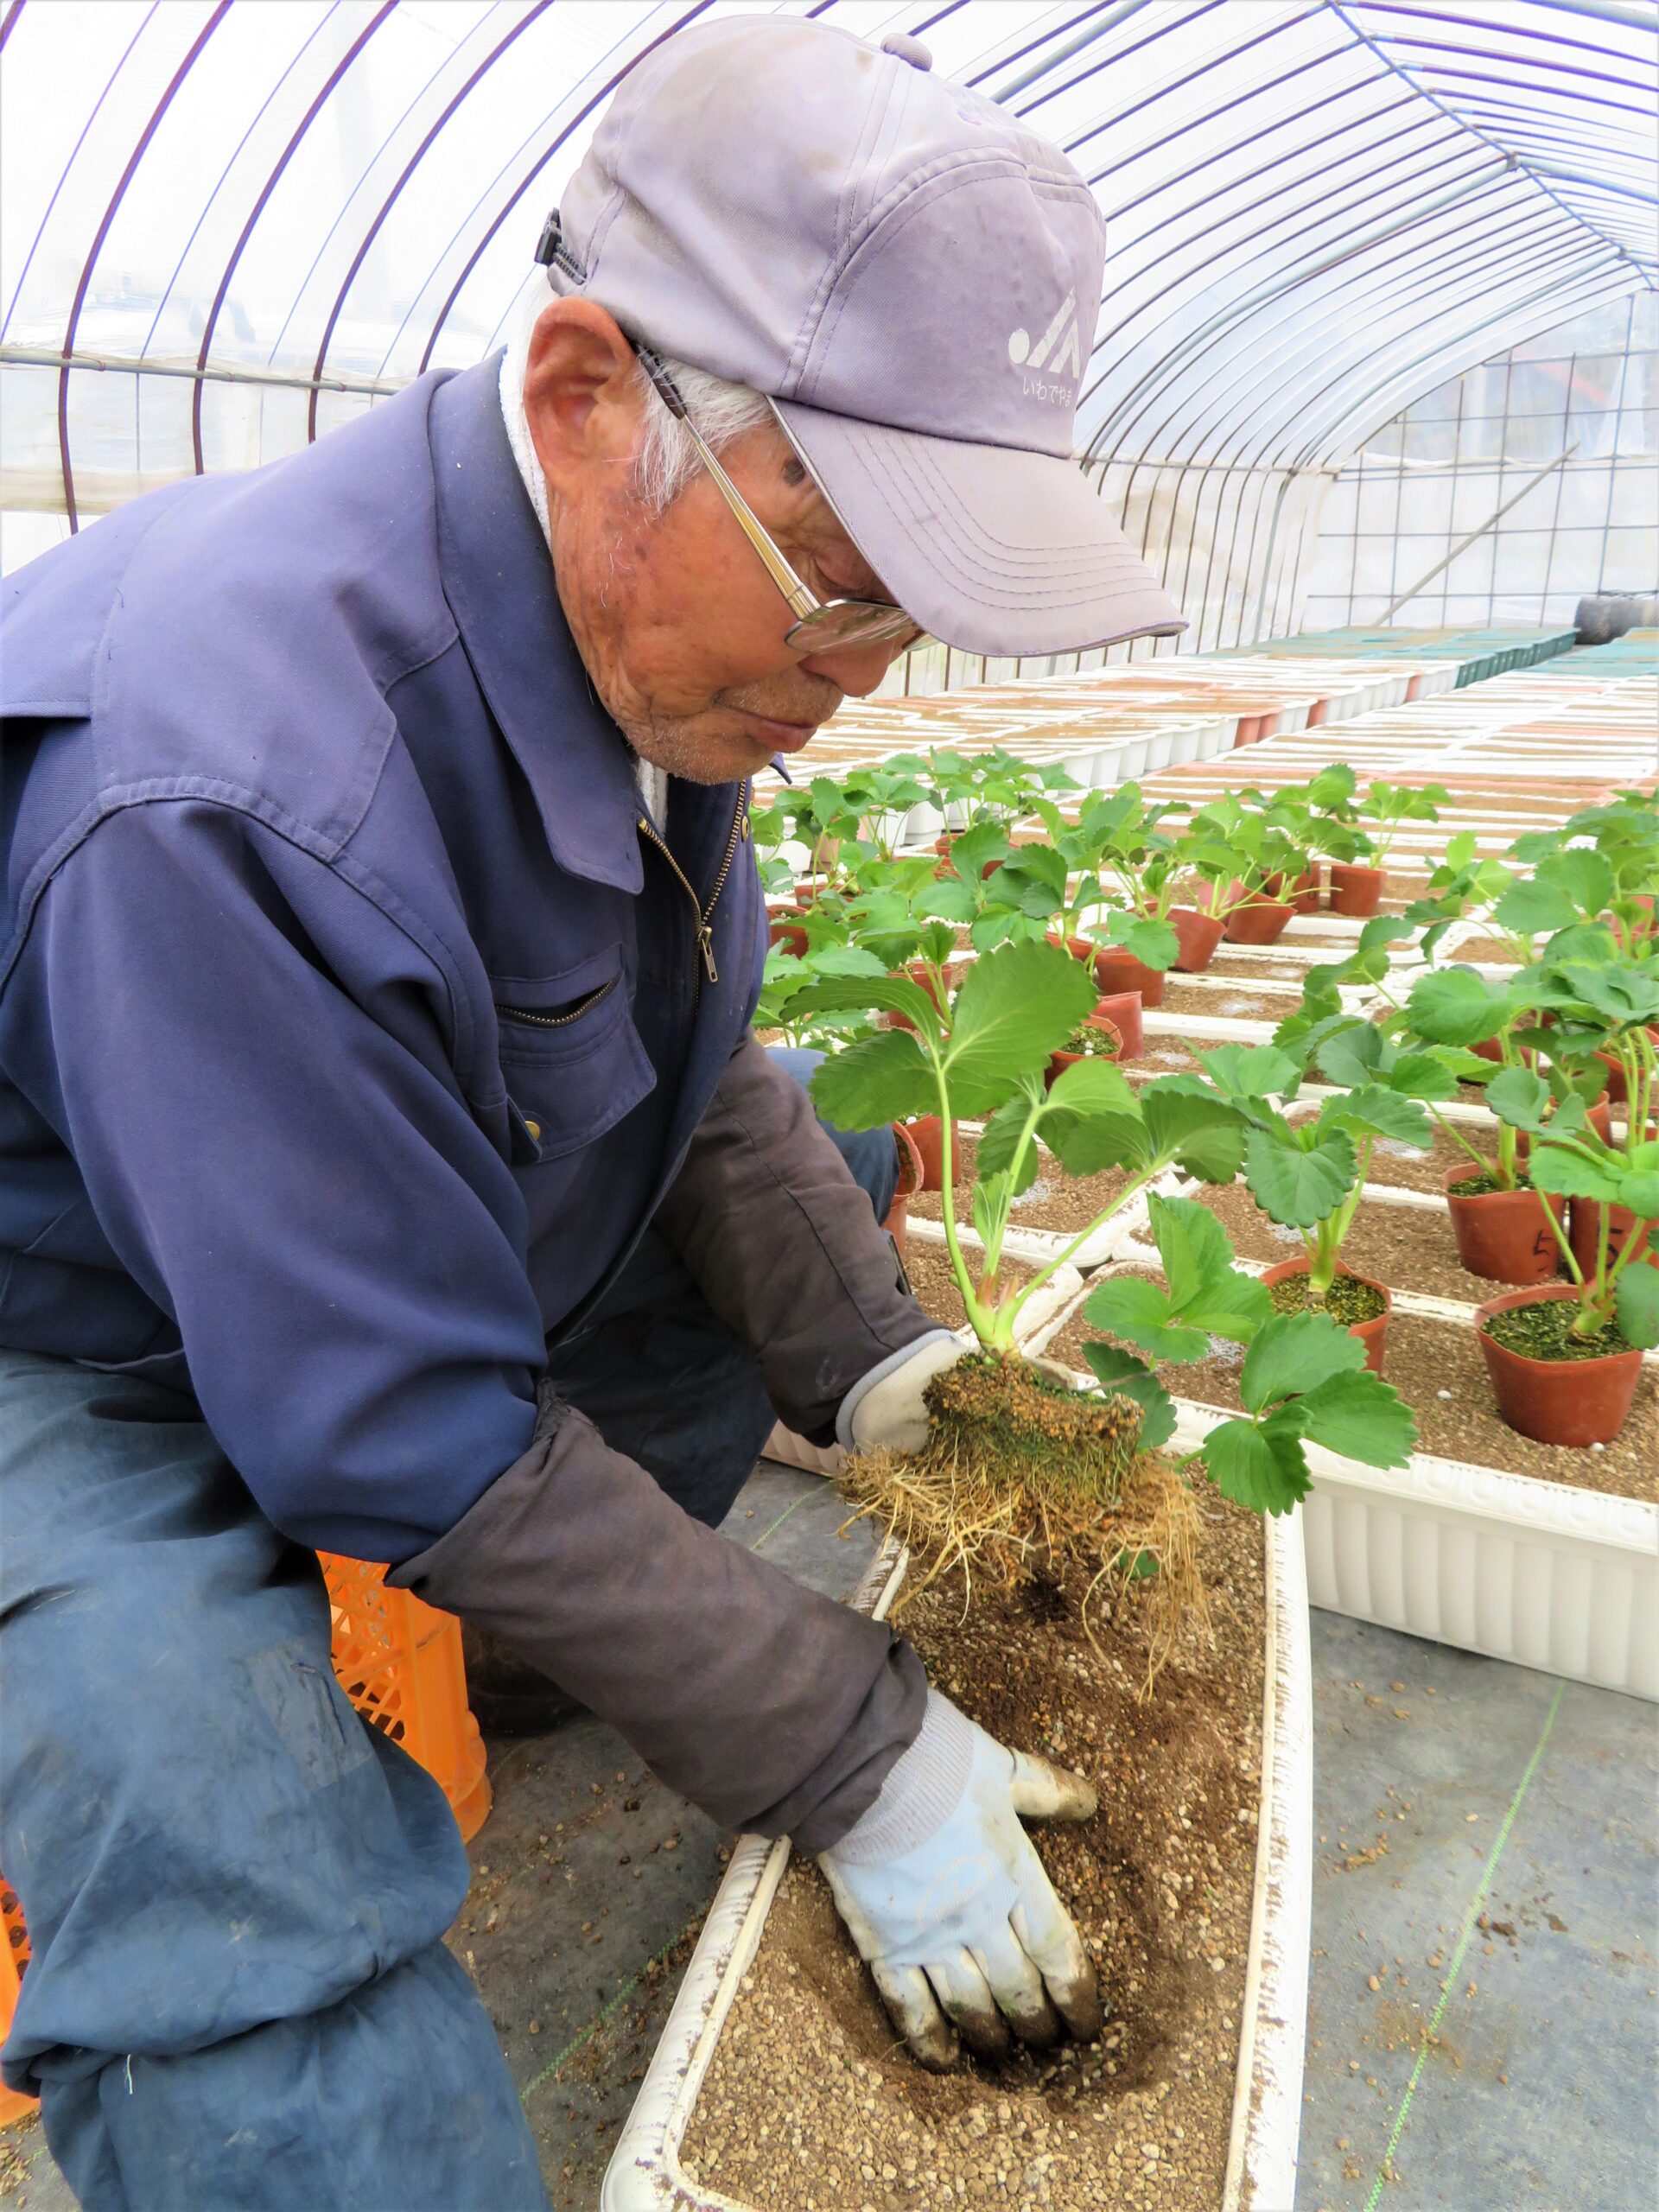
(948, 1904)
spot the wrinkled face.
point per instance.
(679, 626)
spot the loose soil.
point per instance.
(1482, 950)
(1348, 1301)
(1286, 969)
(1545, 1332)
(1440, 1371)
(1164, 1056)
(1054, 1200)
(935, 1287)
(810, 2106)
(1403, 1168)
(1211, 1001)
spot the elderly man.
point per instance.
(386, 1164)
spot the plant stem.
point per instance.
(1084, 1235)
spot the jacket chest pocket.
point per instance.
(571, 1059)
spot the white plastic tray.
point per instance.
(646, 2174)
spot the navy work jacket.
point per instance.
(351, 1025)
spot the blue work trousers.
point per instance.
(240, 1999)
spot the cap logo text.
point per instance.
(1068, 350)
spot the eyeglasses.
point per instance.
(820, 625)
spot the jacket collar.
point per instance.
(498, 583)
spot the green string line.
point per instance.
(1469, 1918)
(782, 1517)
(605, 2010)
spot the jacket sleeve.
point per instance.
(781, 1242)
(771, 1707)
(248, 1062)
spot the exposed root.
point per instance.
(1021, 1477)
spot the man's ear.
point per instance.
(582, 399)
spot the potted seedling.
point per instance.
(1308, 1174)
(1232, 849)
(990, 790)
(1056, 891)
(1487, 1032)
(1305, 1379)
(882, 798)
(1564, 1359)
(1385, 808)
(1574, 885)
(1142, 859)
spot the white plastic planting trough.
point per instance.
(645, 2174)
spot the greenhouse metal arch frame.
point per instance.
(269, 213)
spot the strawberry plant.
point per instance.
(1303, 1378)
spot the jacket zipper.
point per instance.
(705, 914)
(557, 1020)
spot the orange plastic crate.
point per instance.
(399, 1663)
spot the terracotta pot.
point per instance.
(1197, 935)
(1260, 920)
(917, 971)
(1573, 1401)
(1356, 891)
(1503, 1234)
(1123, 1010)
(1305, 892)
(1584, 1231)
(927, 1134)
(787, 934)
(1616, 1071)
(909, 1181)
(1117, 970)
(1601, 1120)
(1059, 1062)
(1373, 1334)
(1490, 1049)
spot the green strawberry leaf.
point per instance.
(1361, 1416)
(1092, 1086)
(1638, 1304)
(882, 1078)
(1568, 1174)
(1249, 1071)
(1520, 1097)
(1372, 1111)
(1140, 1313)
(1296, 1188)
(1292, 1355)
(1351, 1056)
(1259, 1465)
(1016, 1005)
(1000, 1141)
(1453, 1006)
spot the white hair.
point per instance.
(667, 459)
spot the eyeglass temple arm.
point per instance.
(801, 601)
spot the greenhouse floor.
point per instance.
(1483, 1835)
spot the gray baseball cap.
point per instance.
(914, 279)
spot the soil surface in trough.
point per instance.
(1440, 1371)
(809, 2106)
(928, 1267)
(1054, 1201)
(1474, 951)
(1225, 1000)
(1403, 1168)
